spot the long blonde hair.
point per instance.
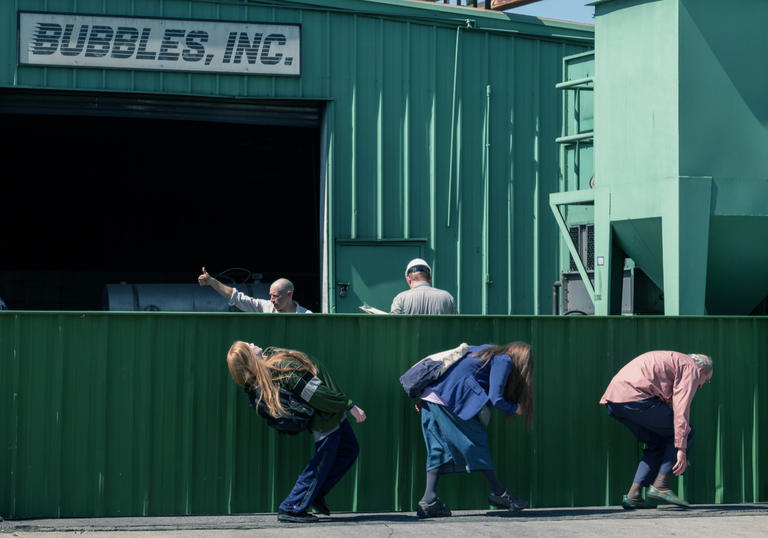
(519, 387)
(250, 371)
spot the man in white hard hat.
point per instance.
(422, 298)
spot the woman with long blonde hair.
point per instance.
(336, 446)
(454, 413)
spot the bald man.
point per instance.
(280, 296)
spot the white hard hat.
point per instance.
(417, 264)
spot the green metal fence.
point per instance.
(135, 414)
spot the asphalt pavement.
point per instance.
(733, 520)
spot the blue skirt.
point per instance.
(450, 439)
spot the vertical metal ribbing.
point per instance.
(577, 149)
(13, 449)
(353, 149)
(486, 197)
(406, 139)
(459, 211)
(380, 137)
(511, 183)
(454, 166)
(230, 453)
(537, 177)
(453, 123)
(326, 182)
(433, 148)
(55, 391)
(718, 467)
(327, 149)
(563, 124)
(755, 418)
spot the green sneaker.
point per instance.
(667, 496)
(631, 504)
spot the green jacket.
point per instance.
(322, 393)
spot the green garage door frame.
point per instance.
(116, 105)
(108, 414)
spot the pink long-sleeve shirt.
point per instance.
(670, 375)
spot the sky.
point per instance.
(569, 10)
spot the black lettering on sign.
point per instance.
(194, 42)
(143, 53)
(125, 42)
(99, 42)
(66, 40)
(230, 46)
(244, 45)
(46, 38)
(169, 45)
(266, 59)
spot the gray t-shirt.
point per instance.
(423, 299)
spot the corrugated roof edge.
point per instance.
(430, 13)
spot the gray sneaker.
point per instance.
(296, 517)
(434, 509)
(508, 501)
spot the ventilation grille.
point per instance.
(583, 237)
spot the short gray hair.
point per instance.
(702, 361)
(283, 284)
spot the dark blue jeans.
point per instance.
(652, 423)
(334, 455)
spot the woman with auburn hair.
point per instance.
(336, 446)
(454, 412)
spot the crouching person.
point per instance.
(336, 446)
(651, 395)
(454, 414)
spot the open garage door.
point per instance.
(137, 189)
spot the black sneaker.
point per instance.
(320, 507)
(434, 509)
(296, 517)
(508, 501)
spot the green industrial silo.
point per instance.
(681, 168)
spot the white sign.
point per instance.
(56, 39)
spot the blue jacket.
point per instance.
(466, 388)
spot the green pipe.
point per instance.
(486, 199)
(453, 121)
(353, 149)
(574, 138)
(379, 138)
(537, 180)
(433, 150)
(578, 83)
(406, 144)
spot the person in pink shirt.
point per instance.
(651, 395)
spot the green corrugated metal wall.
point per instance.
(466, 167)
(134, 414)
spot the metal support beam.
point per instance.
(582, 197)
